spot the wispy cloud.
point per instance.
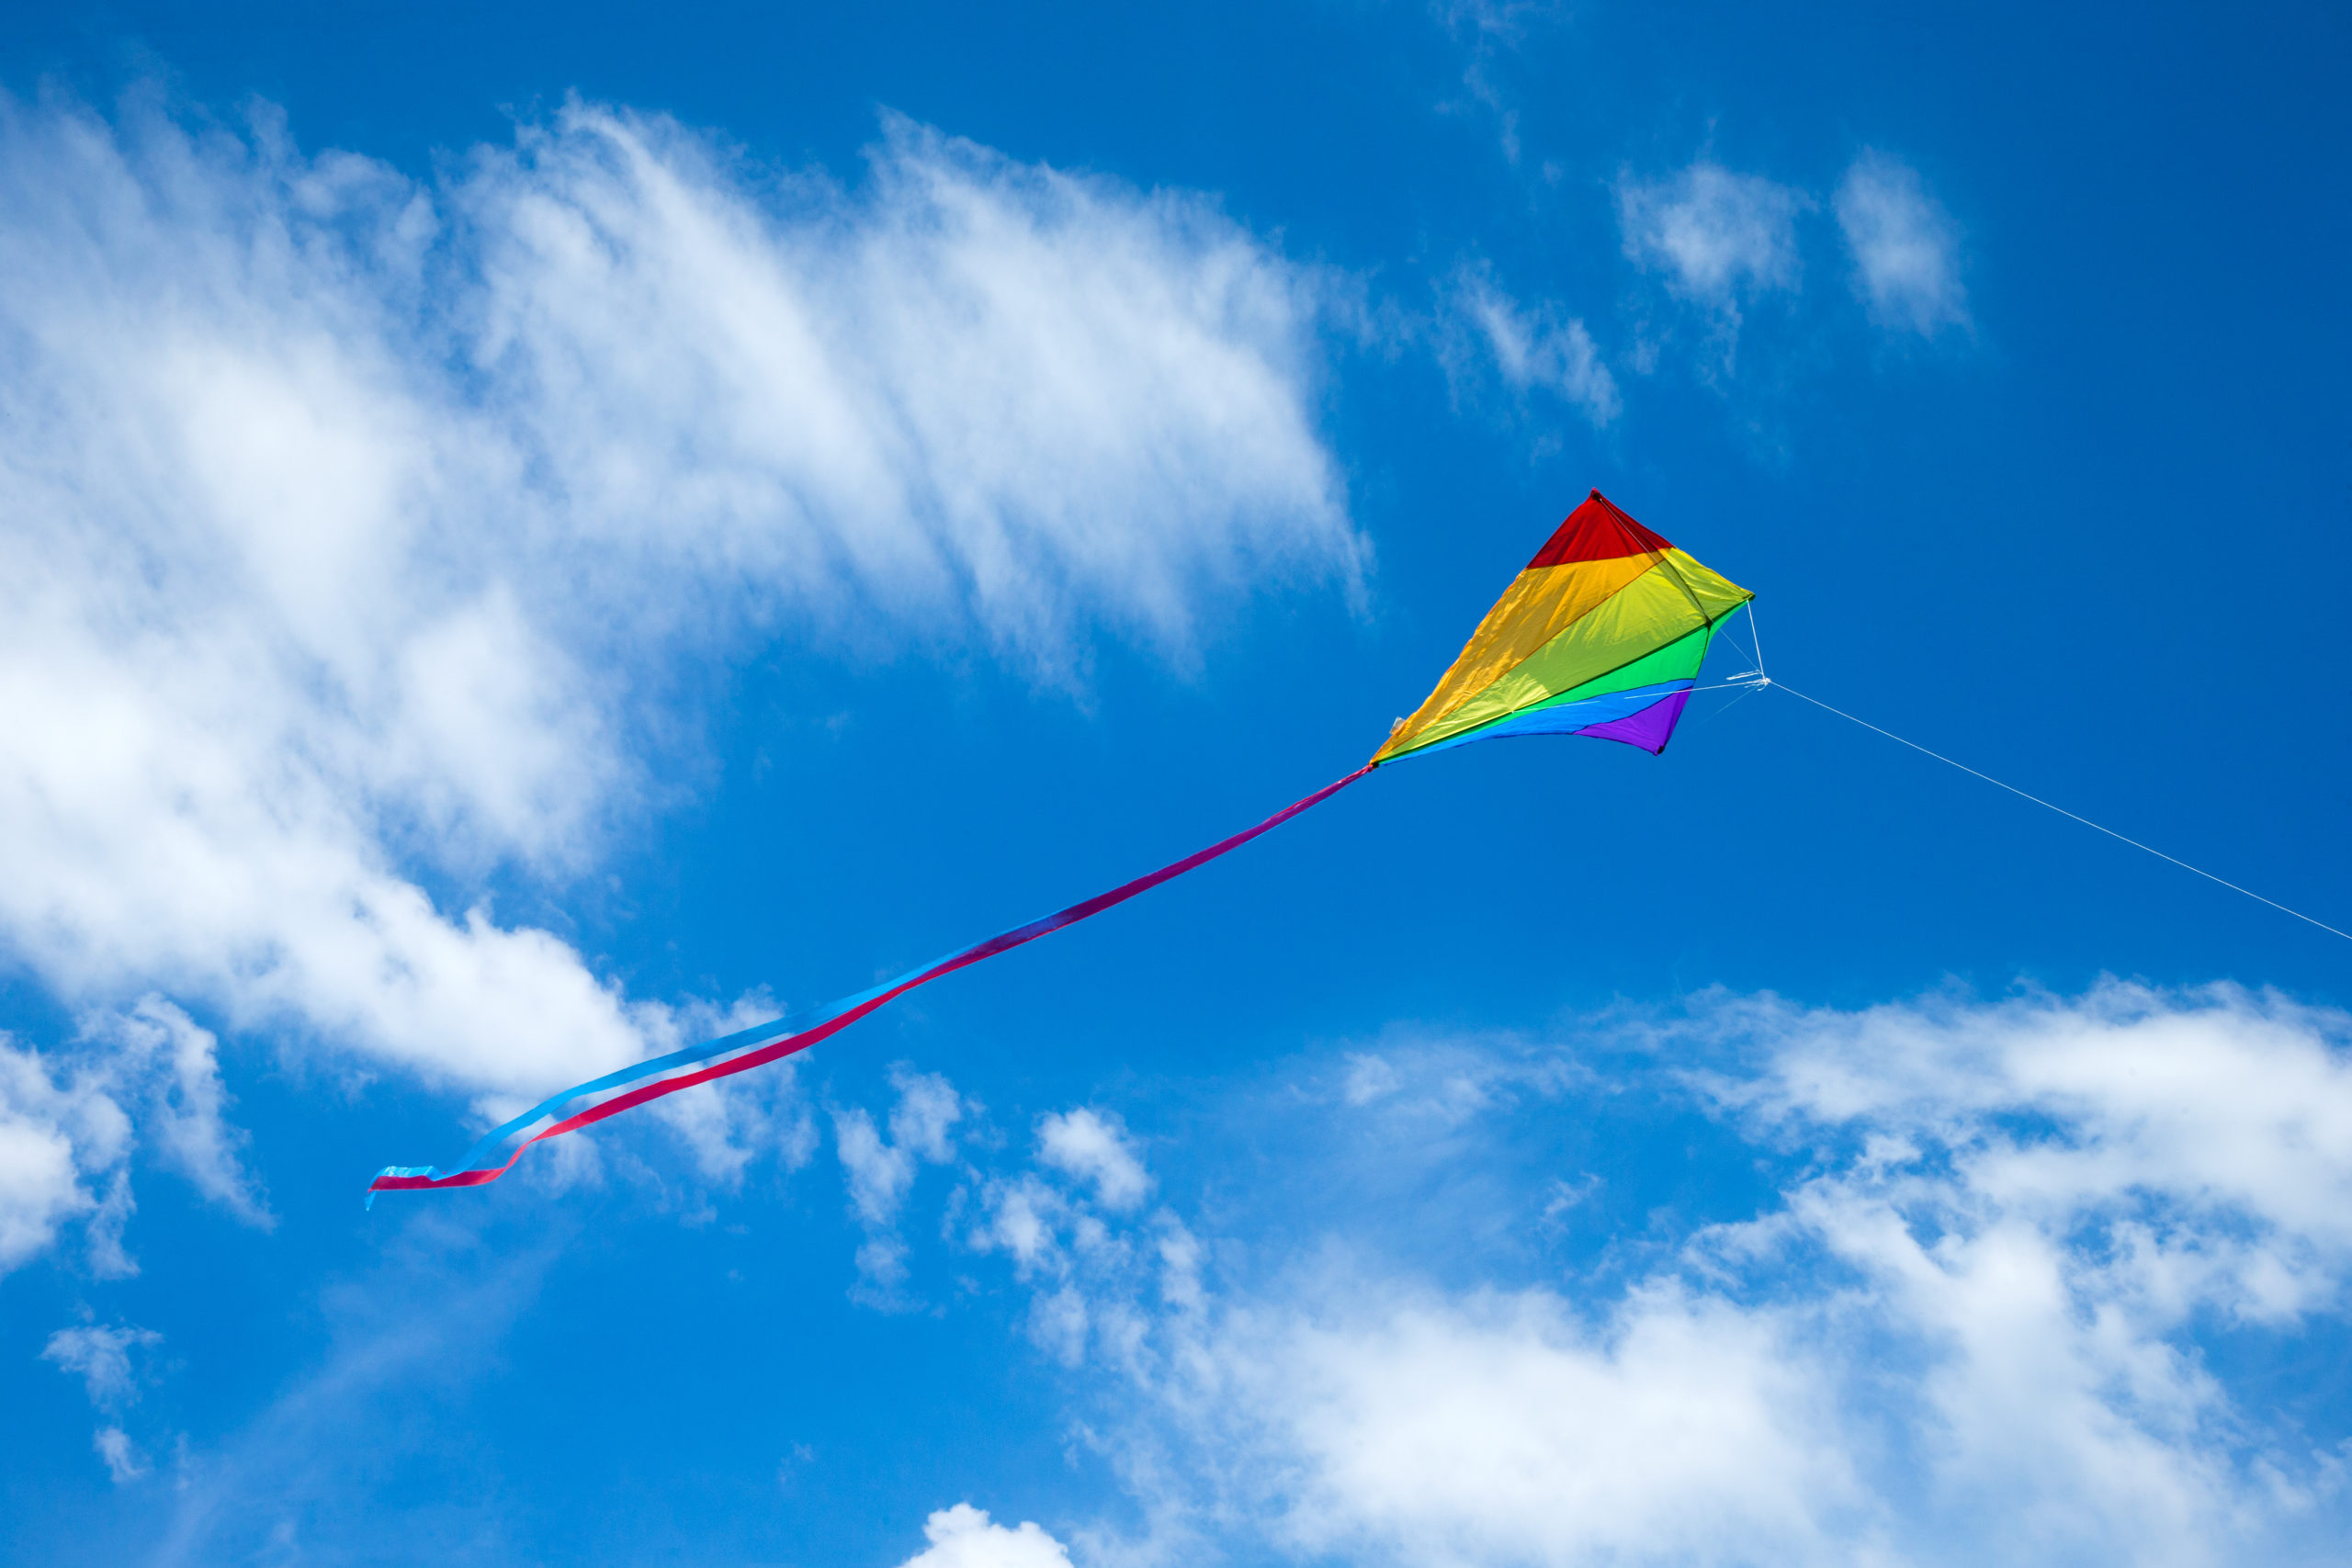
(360, 529)
(1537, 348)
(1490, 32)
(1717, 237)
(1904, 247)
(124, 1459)
(1719, 240)
(101, 1356)
(381, 1407)
(188, 1119)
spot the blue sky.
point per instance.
(534, 534)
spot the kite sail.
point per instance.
(1602, 635)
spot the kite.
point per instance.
(1601, 635)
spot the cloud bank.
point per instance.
(360, 532)
(1990, 1311)
(2006, 1281)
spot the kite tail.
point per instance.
(591, 1102)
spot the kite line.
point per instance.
(1816, 701)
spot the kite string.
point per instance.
(2061, 810)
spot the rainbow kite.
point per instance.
(1601, 635)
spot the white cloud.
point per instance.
(121, 1457)
(926, 1113)
(2209, 1136)
(1097, 1267)
(40, 1187)
(57, 1135)
(1023, 1218)
(961, 1537)
(879, 1173)
(100, 1357)
(186, 1121)
(726, 1126)
(1490, 30)
(1505, 1429)
(358, 532)
(67, 1132)
(1719, 237)
(1042, 399)
(1539, 347)
(1972, 1324)
(1094, 1148)
(1905, 249)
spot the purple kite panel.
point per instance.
(1647, 729)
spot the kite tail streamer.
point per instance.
(633, 1086)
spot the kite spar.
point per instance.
(1601, 635)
